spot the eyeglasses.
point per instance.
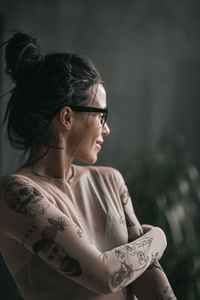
(104, 111)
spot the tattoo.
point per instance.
(55, 254)
(154, 258)
(120, 254)
(29, 233)
(80, 232)
(43, 277)
(154, 264)
(58, 224)
(50, 232)
(57, 147)
(129, 223)
(24, 198)
(122, 220)
(57, 257)
(124, 196)
(167, 294)
(140, 250)
(122, 275)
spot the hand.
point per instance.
(162, 237)
(146, 227)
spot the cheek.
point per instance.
(76, 135)
(92, 136)
(85, 133)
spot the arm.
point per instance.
(153, 283)
(29, 217)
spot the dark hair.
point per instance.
(44, 84)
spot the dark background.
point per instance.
(148, 55)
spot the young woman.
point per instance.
(68, 231)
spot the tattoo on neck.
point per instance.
(56, 147)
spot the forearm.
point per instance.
(127, 262)
(153, 284)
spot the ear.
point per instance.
(66, 117)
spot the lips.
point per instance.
(98, 144)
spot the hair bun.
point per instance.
(22, 56)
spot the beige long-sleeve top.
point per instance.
(69, 239)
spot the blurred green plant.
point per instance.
(165, 189)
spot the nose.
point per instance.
(105, 130)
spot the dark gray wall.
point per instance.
(148, 54)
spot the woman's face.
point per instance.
(87, 134)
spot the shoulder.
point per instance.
(8, 181)
(108, 172)
(15, 186)
(20, 195)
(14, 179)
(103, 172)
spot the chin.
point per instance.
(89, 160)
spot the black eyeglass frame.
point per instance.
(104, 111)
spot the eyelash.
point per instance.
(101, 117)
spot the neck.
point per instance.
(53, 162)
